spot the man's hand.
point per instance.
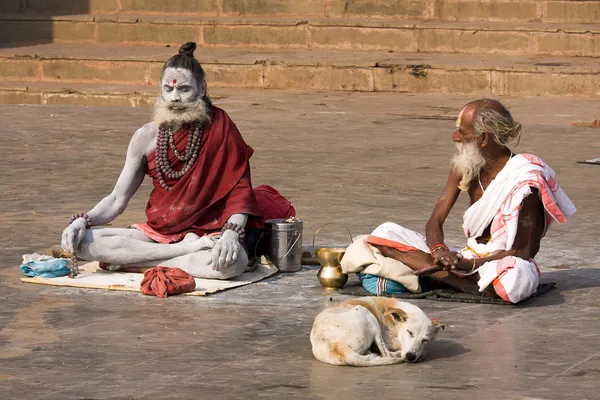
(73, 235)
(445, 257)
(461, 265)
(226, 250)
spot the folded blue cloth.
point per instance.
(44, 266)
(379, 286)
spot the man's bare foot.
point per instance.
(190, 237)
(194, 243)
(109, 267)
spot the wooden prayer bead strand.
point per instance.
(81, 215)
(74, 266)
(192, 138)
(158, 158)
(188, 146)
(73, 262)
(236, 228)
(164, 141)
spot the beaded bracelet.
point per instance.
(81, 215)
(236, 228)
(73, 266)
(438, 247)
(74, 261)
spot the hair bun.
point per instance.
(188, 49)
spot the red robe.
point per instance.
(217, 186)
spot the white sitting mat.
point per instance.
(590, 161)
(93, 277)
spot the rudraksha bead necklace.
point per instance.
(236, 228)
(165, 140)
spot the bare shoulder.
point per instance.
(144, 139)
(146, 132)
(532, 205)
(454, 177)
(451, 189)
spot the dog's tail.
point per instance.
(368, 360)
(342, 354)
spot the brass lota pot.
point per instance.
(330, 275)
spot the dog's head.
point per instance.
(414, 330)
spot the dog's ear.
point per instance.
(397, 314)
(437, 325)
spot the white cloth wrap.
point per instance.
(364, 258)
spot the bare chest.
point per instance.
(479, 185)
(475, 191)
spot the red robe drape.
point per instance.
(217, 186)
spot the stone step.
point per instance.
(289, 33)
(81, 94)
(68, 69)
(561, 11)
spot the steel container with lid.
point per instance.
(284, 243)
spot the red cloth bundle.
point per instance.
(163, 282)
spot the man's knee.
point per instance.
(98, 233)
(235, 269)
(95, 244)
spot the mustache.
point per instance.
(180, 112)
(176, 106)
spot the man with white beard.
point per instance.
(202, 198)
(514, 197)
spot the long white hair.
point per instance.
(503, 128)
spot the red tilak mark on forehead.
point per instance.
(174, 81)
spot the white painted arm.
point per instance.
(115, 203)
(128, 183)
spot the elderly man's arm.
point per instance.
(434, 231)
(128, 183)
(530, 230)
(114, 204)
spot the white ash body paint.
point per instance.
(181, 101)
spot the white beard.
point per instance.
(195, 111)
(467, 163)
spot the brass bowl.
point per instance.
(330, 275)
(330, 256)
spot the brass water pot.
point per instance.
(330, 275)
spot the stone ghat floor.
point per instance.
(349, 158)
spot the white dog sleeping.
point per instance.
(372, 331)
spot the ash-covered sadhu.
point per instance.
(514, 198)
(200, 170)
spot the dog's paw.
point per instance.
(396, 354)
